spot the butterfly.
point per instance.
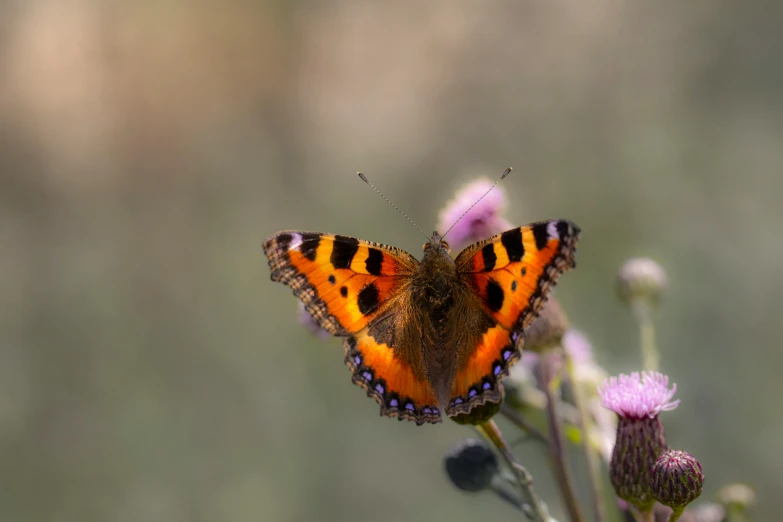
(430, 337)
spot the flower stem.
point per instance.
(643, 516)
(594, 477)
(650, 356)
(538, 510)
(520, 422)
(501, 491)
(556, 440)
(675, 514)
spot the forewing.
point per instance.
(343, 282)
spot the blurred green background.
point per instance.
(149, 370)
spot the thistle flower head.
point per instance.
(482, 221)
(637, 400)
(641, 279)
(471, 465)
(638, 396)
(677, 479)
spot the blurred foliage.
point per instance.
(149, 370)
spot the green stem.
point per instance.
(650, 356)
(736, 514)
(538, 511)
(556, 440)
(675, 514)
(520, 422)
(584, 424)
(499, 487)
(643, 516)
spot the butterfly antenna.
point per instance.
(501, 178)
(364, 178)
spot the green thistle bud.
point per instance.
(641, 279)
(471, 465)
(677, 479)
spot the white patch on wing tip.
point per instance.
(551, 229)
(296, 241)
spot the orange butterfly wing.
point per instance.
(357, 289)
(512, 274)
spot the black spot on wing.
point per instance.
(309, 245)
(283, 240)
(343, 250)
(368, 299)
(374, 262)
(332, 279)
(494, 296)
(512, 241)
(563, 230)
(344, 291)
(541, 235)
(488, 253)
(514, 285)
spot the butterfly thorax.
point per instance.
(435, 281)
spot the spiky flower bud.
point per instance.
(548, 329)
(677, 479)
(471, 465)
(482, 221)
(641, 279)
(637, 400)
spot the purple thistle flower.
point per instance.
(638, 396)
(640, 440)
(483, 220)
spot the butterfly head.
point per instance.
(436, 245)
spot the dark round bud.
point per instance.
(641, 279)
(471, 465)
(677, 479)
(547, 329)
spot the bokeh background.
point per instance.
(149, 370)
